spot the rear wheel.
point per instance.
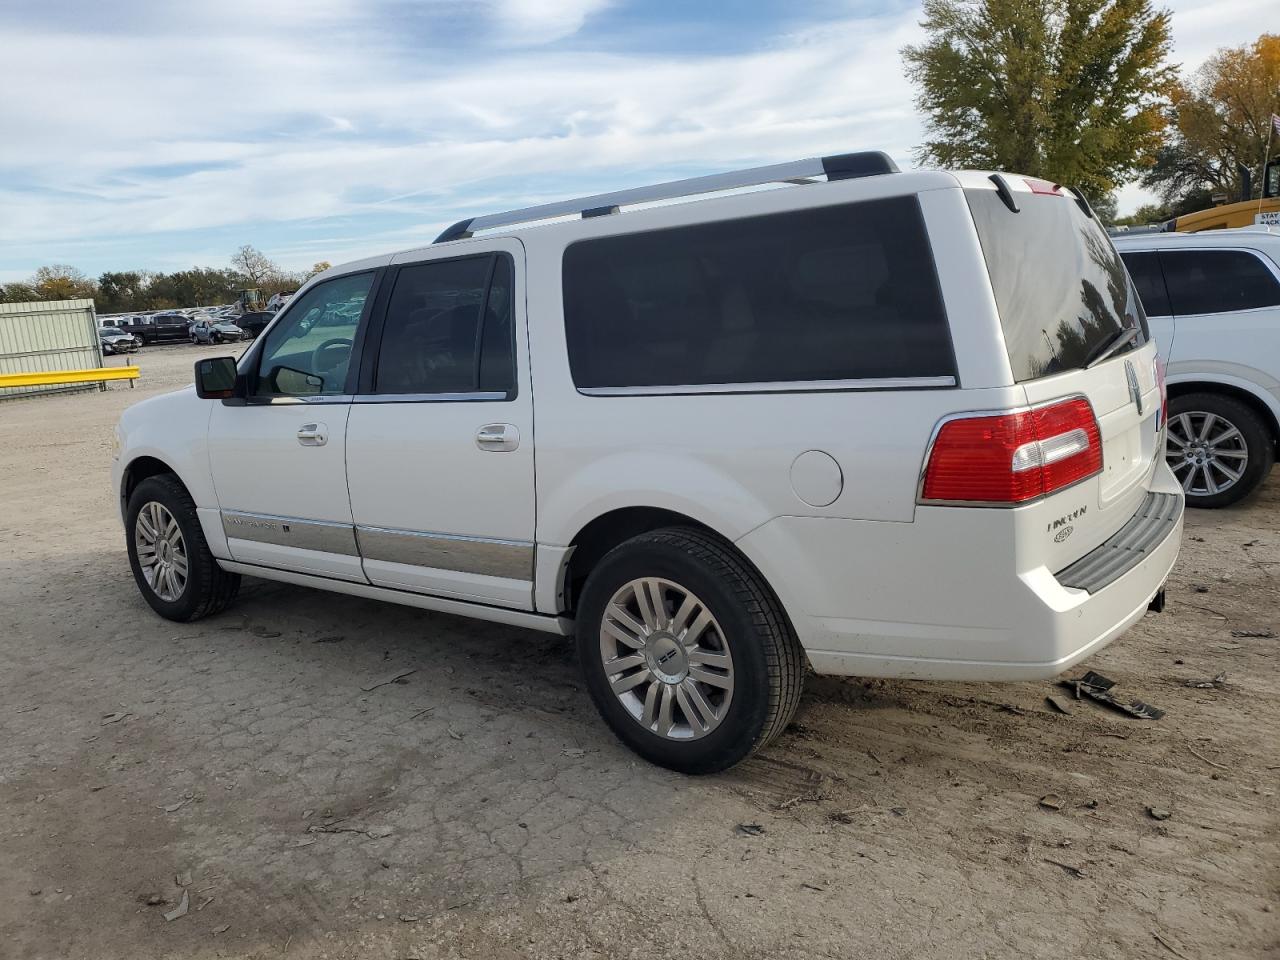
(175, 571)
(1219, 448)
(686, 652)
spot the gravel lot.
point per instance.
(480, 809)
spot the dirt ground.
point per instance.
(480, 809)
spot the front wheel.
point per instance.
(174, 569)
(1218, 448)
(686, 652)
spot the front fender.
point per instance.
(172, 428)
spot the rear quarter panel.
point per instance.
(726, 459)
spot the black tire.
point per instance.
(1258, 442)
(208, 588)
(768, 662)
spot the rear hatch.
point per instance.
(1074, 327)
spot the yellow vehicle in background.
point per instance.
(1242, 213)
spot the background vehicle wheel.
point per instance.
(686, 652)
(169, 555)
(1218, 448)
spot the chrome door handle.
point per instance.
(498, 437)
(313, 434)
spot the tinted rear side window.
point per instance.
(448, 329)
(1061, 288)
(1217, 281)
(835, 293)
(1144, 268)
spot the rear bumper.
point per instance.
(941, 598)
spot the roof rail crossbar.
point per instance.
(840, 167)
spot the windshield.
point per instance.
(1061, 289)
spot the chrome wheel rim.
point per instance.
(666, 659)
(1206, 452)
(162, 553)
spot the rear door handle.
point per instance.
(498, 437)
(313, 434)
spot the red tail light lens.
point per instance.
(1014, 457)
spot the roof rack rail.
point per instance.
(843, 166)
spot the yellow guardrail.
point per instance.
(46, 378)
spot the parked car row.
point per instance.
(176, 327)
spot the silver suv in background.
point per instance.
(1213, 303)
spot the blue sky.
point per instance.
(160, 135)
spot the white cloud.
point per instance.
(328, 109)
(528, 22)
(266, 126)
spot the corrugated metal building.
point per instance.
(58, 335)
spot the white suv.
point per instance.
(1213, 300)
(894, 424)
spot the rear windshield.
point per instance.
(1061, 288)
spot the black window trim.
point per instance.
(1267, 264)
(854, 385)
(364, 389)
(247, 368)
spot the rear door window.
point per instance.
(1217, 281)
(1144, 268)
(448, 329)
(1061, 289)
(836, 293)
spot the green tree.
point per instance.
(122, 291)
(18, 292)
(199, 286)
(1221, 121)
(1105, 206)
(62, 282)
(1145, 214)
(1070, 90)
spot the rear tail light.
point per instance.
(1013, 457)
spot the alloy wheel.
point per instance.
(666, 659)
(162, 552)
(1206, 452)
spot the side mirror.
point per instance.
(216, 378)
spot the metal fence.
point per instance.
(38, 337)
